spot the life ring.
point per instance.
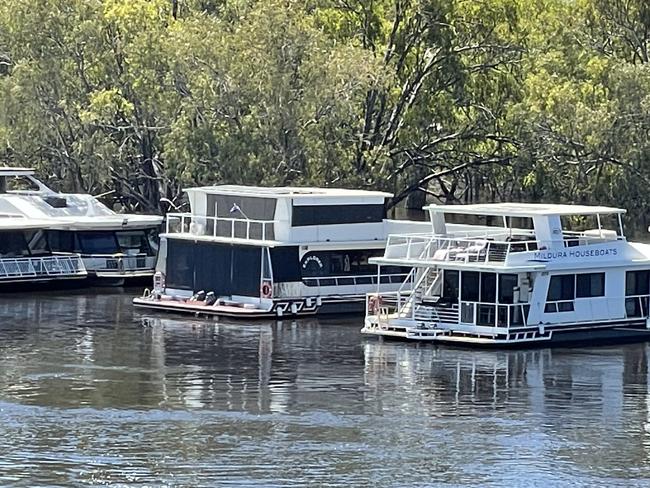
(266, 290)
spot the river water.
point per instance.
(93, 392)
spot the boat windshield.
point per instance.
(19, 243)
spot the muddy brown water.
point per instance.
(96, 393)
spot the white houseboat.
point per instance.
(114, 247)
(274, 252)
(26, 258)
(519, 274)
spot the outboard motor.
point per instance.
(199, 296)
(210, 298)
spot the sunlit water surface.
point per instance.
(93, 392)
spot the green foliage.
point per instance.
(455, 99)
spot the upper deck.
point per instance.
(517, 236)
(285, 215)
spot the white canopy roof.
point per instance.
(523, 209)
(286, 191)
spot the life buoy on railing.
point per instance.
(266, 290)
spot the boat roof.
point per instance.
(287, 191)
(15, 221)
(524, 209)
(16, 171)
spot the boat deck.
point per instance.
(200, 308)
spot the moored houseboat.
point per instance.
(114, 247)
(274, 252)
(521, 274)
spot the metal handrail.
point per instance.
(467, 249)
(196, 225)
(41, 266)
(372, 277)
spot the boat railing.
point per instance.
(41, 266)
(233, 228)
(476, 249)
(490, 314)
(321, 281)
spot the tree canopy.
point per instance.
(457, 100)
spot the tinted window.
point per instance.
(180, 264)
(221, 268)
(470, 286)
(61, 241)
(488, 287)
(562, 287)
(336, 214)
(637, 282)
(37, 242)
(98, 242)
(507, 284)
(450, 285)
(133, 240)
(590, 285)
(339, 263)
(13, 244)
(286, 266)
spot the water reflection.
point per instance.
(93, 391)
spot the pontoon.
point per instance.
(274, 252)
(519, 274)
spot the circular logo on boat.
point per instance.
(312, 262)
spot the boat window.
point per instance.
(305, 215)
(339, 263)
(507, 284)
(221, 268)
(488, 287)
(450, 285)
(637, 282)
(37, 242)
(153, 240)
(13, 244)
(133, 241)
(590, 285)
(286, 265)
(19, 183)
(180, 265)
(562, 287)
(486, 315)
(98, 242)
(61, 241)
(470, 286)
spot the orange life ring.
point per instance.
(266, 290)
